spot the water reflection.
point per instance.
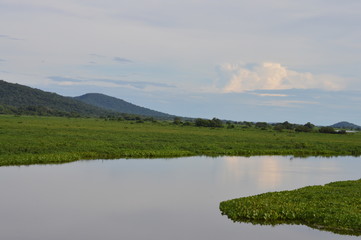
(270, 173)
(266, 172)
(155, 199)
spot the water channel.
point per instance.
(156, 199)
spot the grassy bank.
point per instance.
(335, 207)
(37, 140)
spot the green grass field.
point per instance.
(38, 140)
(334, 207)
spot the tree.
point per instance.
(287, 125)
(262, 125)
(215, 123)
(303, 128)
(278, 127)
(248, 124)
(177, 121)
(327, 130)
(199, 122)
(309, 125)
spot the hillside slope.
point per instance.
(119, 105)
(345, 125)
(21, 98)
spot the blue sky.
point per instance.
(260, 60)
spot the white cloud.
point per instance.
(274, 76)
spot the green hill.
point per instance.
(119, 105)
(20, 99)
(346, 125)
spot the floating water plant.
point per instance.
(334, 207)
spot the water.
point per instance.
(156, 199)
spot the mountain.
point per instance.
(119, 105)
(16, 98)
(20, 99)
(345, 125)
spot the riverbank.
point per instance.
(26, 140)
(334, 207)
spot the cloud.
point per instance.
(114, 83)
(122, 60)
(136, 84)
(64, 79)
(274, 76)
(287, 103)
(271, 95)
(96, 55)
(9, 37)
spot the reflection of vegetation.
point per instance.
(335, 207)
(33, 140)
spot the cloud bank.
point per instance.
(274, 76)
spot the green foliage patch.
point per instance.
(37, 140)
(334, 207)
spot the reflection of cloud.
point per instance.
(258, 174)
(270, 173)
(273, 76)
(234, 167)
(265, 170)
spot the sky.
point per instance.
(241, 60)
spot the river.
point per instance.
(156, 198)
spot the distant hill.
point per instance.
(16, 98)
(345, 125)
(119, 105)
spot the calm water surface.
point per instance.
(156, 199)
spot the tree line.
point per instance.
(284, 126)
(198, 122)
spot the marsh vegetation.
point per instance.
(28, 140)
(334, 207)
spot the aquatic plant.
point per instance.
(334, 207)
